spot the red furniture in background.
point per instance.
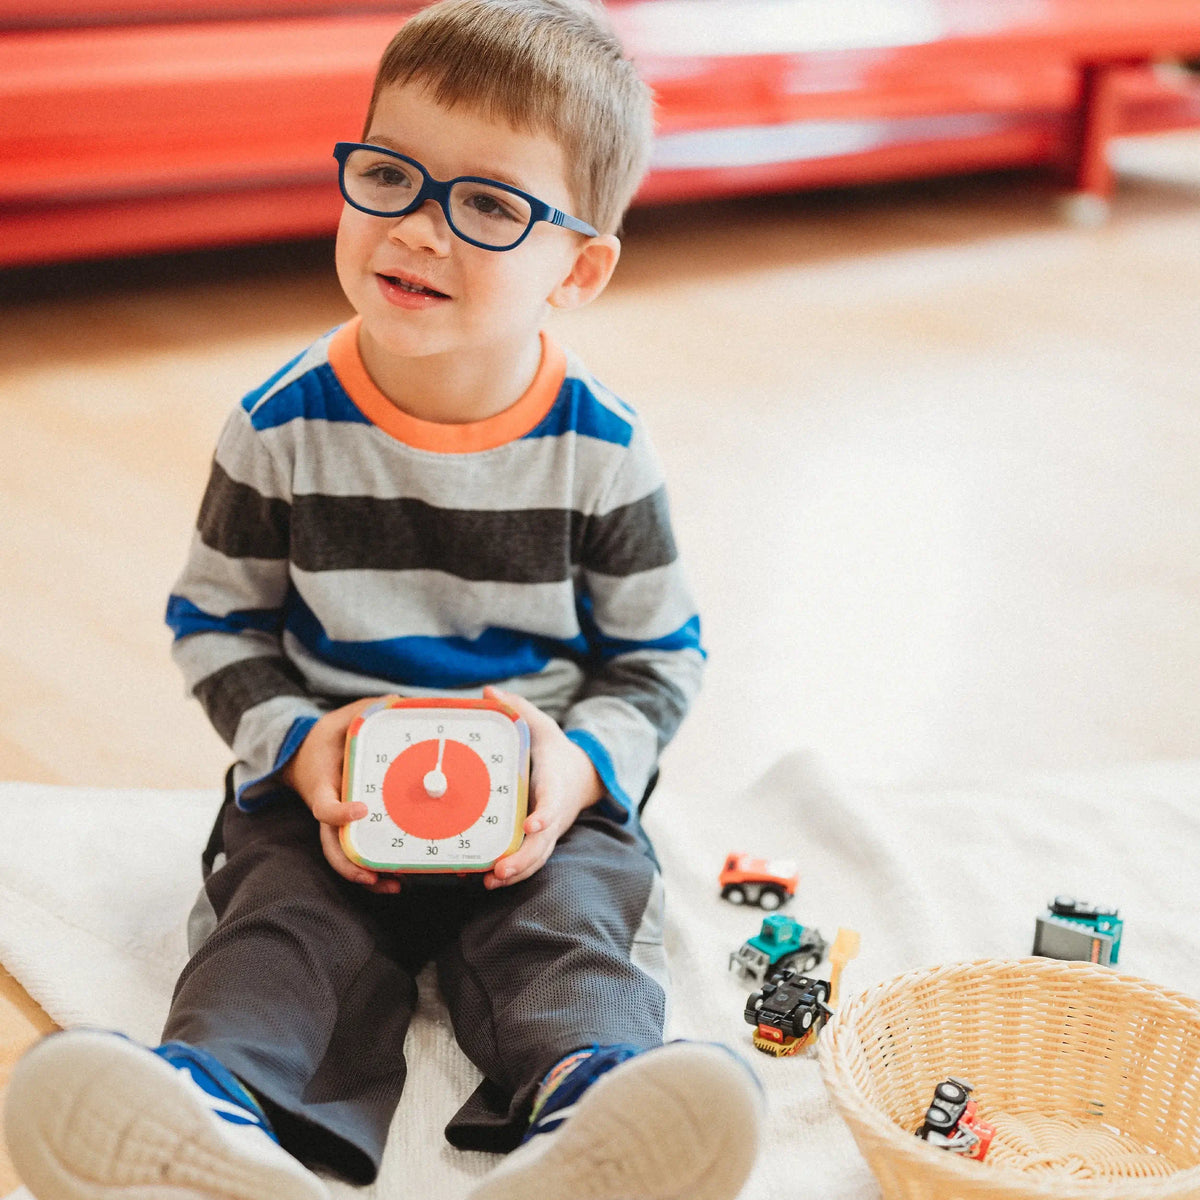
(130, 126)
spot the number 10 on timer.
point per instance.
(445, 782)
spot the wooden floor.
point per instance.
(933, 461)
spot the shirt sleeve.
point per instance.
(646, 659)
(226, 612)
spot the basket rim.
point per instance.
(865, 1119)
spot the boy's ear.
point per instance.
(589, 274)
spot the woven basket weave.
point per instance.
(1091, 1078)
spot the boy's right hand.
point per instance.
(315, 772)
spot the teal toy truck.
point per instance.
(781, 943)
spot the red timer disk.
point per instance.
(455, 801)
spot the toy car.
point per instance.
(952, 1121)
(781, 943)
(790, 1009)
(769, 883)
(1075, 929)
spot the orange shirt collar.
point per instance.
(507, 426)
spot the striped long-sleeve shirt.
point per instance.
(346, 549)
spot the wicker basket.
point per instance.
(1091, 1078)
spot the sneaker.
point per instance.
(92, 1115)
(680, 1122)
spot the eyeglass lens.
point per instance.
(484, 213)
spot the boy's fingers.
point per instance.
(329, 809)
(343, 814)
(518, 876)
(529, 711)
(522, 863)
(385, 885)
(336, 857)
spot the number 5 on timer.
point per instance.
(445, 782)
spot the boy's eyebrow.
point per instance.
(388, 143)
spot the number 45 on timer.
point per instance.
(445, 782)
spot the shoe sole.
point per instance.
(91, 1116)
(678, 1122)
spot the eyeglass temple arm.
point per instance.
(557, 217)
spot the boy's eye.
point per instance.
(489, 206)
(387, 175)
(378, 181)
(474, 205)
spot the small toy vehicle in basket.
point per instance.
(1074, 929)
(769, 883)
(952, 1121)
(790, 1009)
(782, 943)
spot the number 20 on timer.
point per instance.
(445, 782)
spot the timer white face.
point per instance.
(445, 782)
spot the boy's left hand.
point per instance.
(562, 783)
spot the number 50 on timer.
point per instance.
(445, 782)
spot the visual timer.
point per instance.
(445, 782)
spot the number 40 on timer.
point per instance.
(445, 782)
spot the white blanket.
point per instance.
(95, 886)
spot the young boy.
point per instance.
(432, 500)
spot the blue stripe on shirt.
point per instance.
(314, 396)
(432, 662)
(578, 410)
(686, 637)
(185, 618)
(423, 661)
(318, 395)
(616, 803)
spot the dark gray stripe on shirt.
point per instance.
(348, 533)
(640, 686)
(355, 533)
(635, 537)
(528, 545)
(239, 521)
(234, 689)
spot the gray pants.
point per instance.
(303, 984)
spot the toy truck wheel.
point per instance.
(802, 962)
(951, 1092)
(753, 1003)
(734, 894)
(822, 990)
(771, 898)
(800, 1023)
(940, 1119)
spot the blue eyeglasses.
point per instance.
(481, 211)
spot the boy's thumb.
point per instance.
(523, 706)
(328, 808)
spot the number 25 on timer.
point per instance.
(445, 782)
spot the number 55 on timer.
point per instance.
(445, 782)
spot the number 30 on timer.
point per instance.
(445, 782)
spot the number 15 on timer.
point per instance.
(445, 782)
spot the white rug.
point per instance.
(95, 886)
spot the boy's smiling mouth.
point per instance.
(411, 286)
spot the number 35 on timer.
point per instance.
(445, 782)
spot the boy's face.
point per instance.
(488, 302)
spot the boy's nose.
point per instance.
(424, 227)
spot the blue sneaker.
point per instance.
(680, 1122)
(92, 1115)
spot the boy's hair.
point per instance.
(545, 66)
